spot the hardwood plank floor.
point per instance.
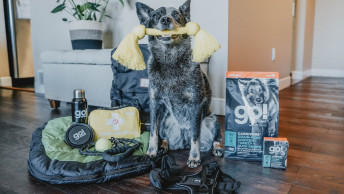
(311, 117)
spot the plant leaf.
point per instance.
(108, 16)
(94, 16)
(93, 6)
(89, 17)
(59, 8)
(64, 19)
(83, 7)
(121, 2)
(78, 9)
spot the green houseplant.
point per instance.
(86, 29)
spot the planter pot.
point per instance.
(86, 34)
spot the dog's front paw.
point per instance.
(271, 132)
(152, 152)
(193, 163)
(217, 149)
(164, 147)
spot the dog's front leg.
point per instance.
(195, 155)
(272, 127)
(154, 138)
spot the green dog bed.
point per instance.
(53, 161)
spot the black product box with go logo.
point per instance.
(252, 113)
(275, 152)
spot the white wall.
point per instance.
(328, 46)
(50, 33)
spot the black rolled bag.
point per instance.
(130, 86)
(55, 171)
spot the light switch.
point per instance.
(273, 54)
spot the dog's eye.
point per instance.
(154, 16)
(175, 14)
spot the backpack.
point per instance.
(130, 87)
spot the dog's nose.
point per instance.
(165, 20)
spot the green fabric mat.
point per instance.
(55, 147)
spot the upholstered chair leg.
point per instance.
(54, 103)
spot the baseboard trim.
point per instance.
(328, 72)
(6, 81)
(218, 106)
(298, 76)
(39, 88)
(307, 73)
(284, 82)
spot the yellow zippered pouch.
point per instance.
(122, 122)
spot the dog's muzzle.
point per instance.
(167, 23)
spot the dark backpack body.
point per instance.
(129, 86)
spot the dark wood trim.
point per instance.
(19, 89)
(29, 80)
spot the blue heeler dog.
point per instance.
(180, 93)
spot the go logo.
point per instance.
(275, 149)
(80, 114)
(242, 113)
(79, 134)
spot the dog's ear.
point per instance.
(185, 10)
(143, 13)
(244, 82)
(266, 90)
(243, 85)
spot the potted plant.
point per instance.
(86, 30)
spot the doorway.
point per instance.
(19, 44)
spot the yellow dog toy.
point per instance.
(129, 54)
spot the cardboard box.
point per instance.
(252, 112)
(275, 152)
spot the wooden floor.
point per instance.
(311, 117)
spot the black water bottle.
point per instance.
(79, 107)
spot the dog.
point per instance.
(180, 92)
(258, 94)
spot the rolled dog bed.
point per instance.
(53, 161)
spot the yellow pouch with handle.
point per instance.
(122, 122)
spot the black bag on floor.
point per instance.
(55, 171)
(129, 86)
(209, 180)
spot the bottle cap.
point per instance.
(78, 135)
(79, 93)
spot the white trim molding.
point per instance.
(298, 76)
(6, 81)
(39, 88)
(307, 73)
(218, 106)
(284, 83)
(328, 72)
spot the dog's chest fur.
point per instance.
(174, 76)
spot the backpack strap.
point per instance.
(209, 180)
(121, 149)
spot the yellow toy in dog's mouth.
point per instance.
(129, 54)
(168, 36)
